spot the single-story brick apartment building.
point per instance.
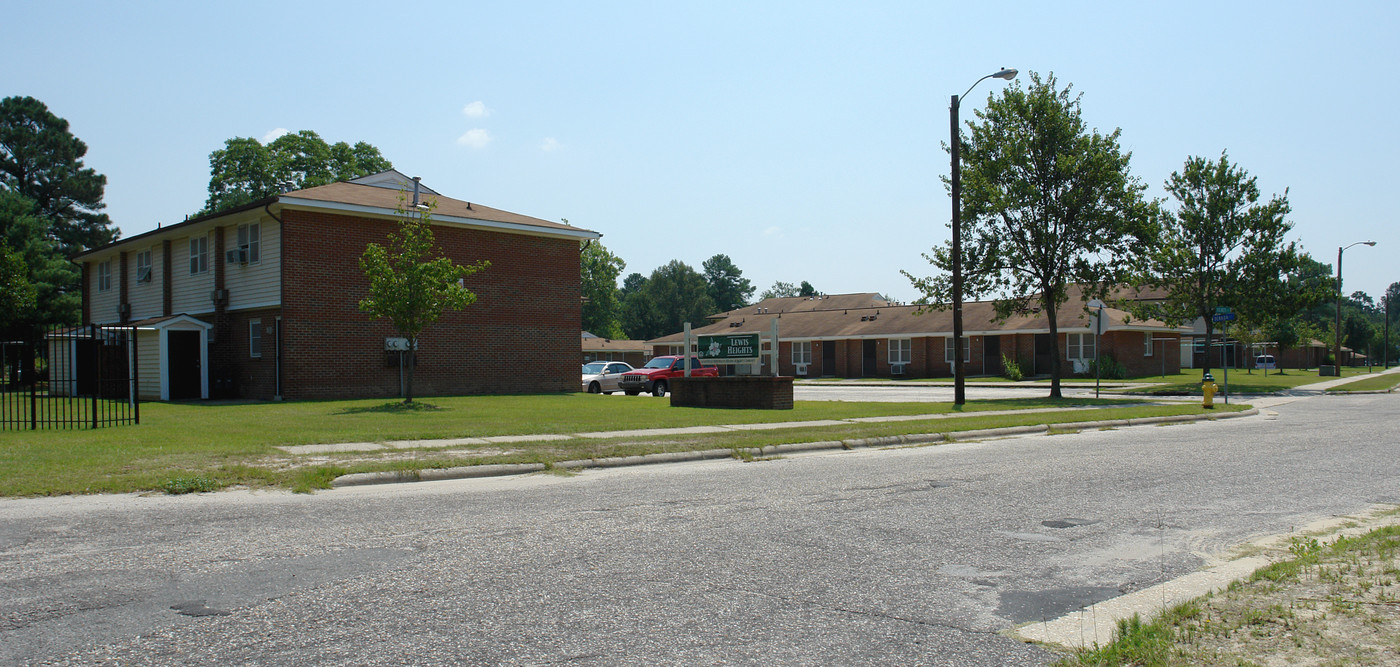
(597, 348)
(864, 335)
(262, 301)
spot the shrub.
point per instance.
(1109, 368)
(1011, 369)
(183, 485)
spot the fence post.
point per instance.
(93, 331)
(135, 377)
(34, 380)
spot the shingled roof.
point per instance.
(827, 318)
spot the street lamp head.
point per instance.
(1370, 243)
(1007, 74)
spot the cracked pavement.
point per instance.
(921, 555)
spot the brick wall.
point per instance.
(741, 391)
(521, 336)
(238, 373)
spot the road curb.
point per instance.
(913, 439)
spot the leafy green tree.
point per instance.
(729, 289)
(779, 289)
(602, 305)
(1046, 204)
(674, 294)
(56, 281)
(1223, 246)
(411, 283)
(245, 170)
(806, 289)
(41, 160)
(16, 294)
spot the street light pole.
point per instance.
(1337, 344)
(959, 377)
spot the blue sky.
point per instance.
(802, 139)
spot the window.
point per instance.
(1147, 341)
(255, 338)
(199, 254)
(104, 276)
(249, 241)
(948, 349)
(1080, 346)
(143, 266)
(802, 352)
(901, 350)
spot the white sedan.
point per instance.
(600, 377)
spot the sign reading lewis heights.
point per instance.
(727, 347)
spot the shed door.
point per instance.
(183, 362)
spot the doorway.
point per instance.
(182, 360)
(991, 355)
(828, 358)
(868, 366)
(1044, 349)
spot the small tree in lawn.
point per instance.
(411, 283)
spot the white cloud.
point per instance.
(550, 144)
(773, 232)
(476, 109)
(476, 138)
(272, 135)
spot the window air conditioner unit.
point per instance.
(799, 369)
(143, 275)
(237, 256)
(897, 369)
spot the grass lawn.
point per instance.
(1375, 382)
(199, 446)
(1241, 381)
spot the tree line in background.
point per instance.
(1047, 205)
(646, 307)
(50, 208)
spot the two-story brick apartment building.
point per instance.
(864, 335)
(262, 301)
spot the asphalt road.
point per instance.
(910, 556)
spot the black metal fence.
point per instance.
(70, 377)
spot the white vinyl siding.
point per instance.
(145, 297)
(198, 254)
(188, 293)
(102, 304)
(255, 285)
(1080, 346)
(148, 364)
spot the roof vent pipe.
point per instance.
(416, 181)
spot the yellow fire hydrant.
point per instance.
(1208, 389)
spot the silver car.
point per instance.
(600, 377)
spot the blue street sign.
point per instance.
(1222, 317)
